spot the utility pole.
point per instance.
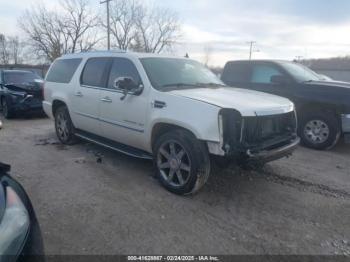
(251, 43)
(298, 58)
(108, 25)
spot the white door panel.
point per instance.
(123, 120)
(86, 102)
(87, 94)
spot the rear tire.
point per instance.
(64, 126)
(319, 130)
(182, 162)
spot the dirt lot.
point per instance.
(90, 200)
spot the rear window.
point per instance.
(94, 73)
(235, 73)
(63, 70)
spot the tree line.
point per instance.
(76, 27)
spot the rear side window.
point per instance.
(262, 74)
(235, 73)
(63, 70)
(94, 73)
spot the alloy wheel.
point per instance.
(316, 131)
(174, 163)
(62, 126)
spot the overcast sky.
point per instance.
(283, 29)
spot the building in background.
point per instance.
(335, 68)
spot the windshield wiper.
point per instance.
(196, 85)
(178, 85)
(210, 84)
(308, 81)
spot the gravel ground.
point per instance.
(90, 200)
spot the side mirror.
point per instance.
(127, 84)
(279, 79)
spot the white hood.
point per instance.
(247, 102)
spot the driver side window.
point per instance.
(261, 74)
(123, 67)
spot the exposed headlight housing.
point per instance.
(14, 226)
(230, 127)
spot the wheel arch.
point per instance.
(317, 107)
(56, 103)
(161, 128)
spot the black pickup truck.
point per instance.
(20, 92)
(323, 107)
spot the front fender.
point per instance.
(199, 118)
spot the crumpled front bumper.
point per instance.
(27, 104)
(345, 119)
(273, 154)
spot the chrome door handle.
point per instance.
(106, 99)
(79, 94)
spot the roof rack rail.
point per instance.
(103, 51)
(97, 52)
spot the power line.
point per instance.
(108, 25)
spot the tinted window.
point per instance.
(261, 74)
(94, 72)
(16, 77)
(123, 67)
(63, 70)
(235, 73)
(170, 72)
(300, 72)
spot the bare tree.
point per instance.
(44, 31)
(78, 24)
(123, 21)
(157, 28)
(15, 49)
(4, 52)
(52, 34)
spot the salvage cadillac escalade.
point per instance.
(172, 110)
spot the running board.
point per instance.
(127, 150)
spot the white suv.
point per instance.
(172, 110)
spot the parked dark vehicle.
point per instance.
(20, 91)
(323, 107)
(20, 236)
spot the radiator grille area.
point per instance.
(261, 128)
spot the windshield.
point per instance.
(170, 73)
(20, 77)
(300, 73)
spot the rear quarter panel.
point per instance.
(61, 91)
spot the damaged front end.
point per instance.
(257, 138)
(24, 97)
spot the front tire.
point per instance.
(64, 126)
(319, 130)
(6, 109)
(182, 162)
